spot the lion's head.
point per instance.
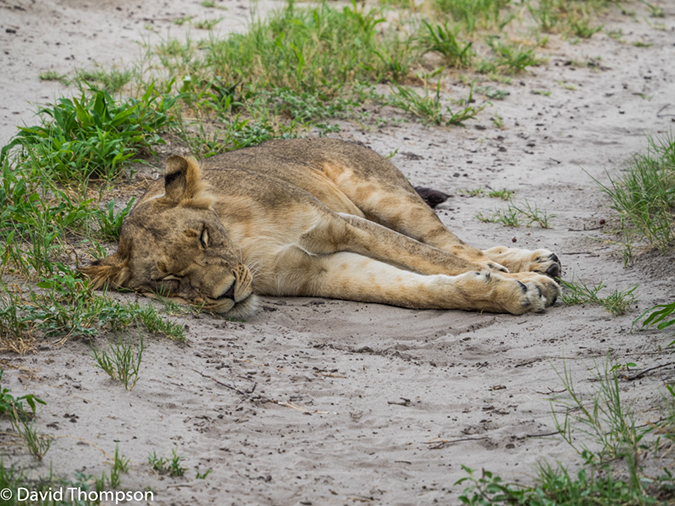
(174, 245)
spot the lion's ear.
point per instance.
(183, 179)
(112, 271)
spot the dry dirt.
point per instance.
(361, 392)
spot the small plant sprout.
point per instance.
(164, 465)
(616, 302)
(122, 362)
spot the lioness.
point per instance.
(310, 217)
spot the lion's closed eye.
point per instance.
(204, 238)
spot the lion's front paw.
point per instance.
(539, 291)
(541, 261)
(516, 293)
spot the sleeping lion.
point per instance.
(310, 217)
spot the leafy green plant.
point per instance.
(206, 24)
(509, 58)
(120, 465)
(109, 222)
(474, 14)
(112, 81)
(616, 302)
(13, 406)
(86, 137)
(164, 465)
(517, 215)
(37, 444)
(509, 217)
(122, 362)
(658, 315)
(429, 107)
(443, 39)
(52, 75)
(503, 194)
(644, 196)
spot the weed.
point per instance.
(644, 196)
(443, 39)
(92, 137)
(582, 28)
(498, 121)
(474, 14)
(37, 444)
(52, 75)
(654, 10)
(164, 465)
(109, 222)
(534, 214)
(608, 425)
(202, 476)
(112, 81)
(182, 21)
(617, 302)
(509, 218)
(429, 107)
(503, 194)
(123, 362)
(515, 216)
(492, 93)
(120, 465)
(509, 58)
(206, 24)
(658, 316)
(13, 406)
(475, 192)
(154, 323)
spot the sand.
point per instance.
(323, 402)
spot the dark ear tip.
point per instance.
(96, 262)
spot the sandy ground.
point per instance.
(333, 402)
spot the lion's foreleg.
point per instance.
(352, 276)
(337, 233)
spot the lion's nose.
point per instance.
(229, 293)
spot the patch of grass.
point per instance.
(492, 93)
(429, 108)
(182, 21)
(22, 420)
(644, 196)
(509, 58)
(475, 14)
(503, 194)
(53, 75)
(12, 406)
(206, 24)
(123, 361)
(443, 39)
(164, 465)
(93, 136)
(659, 316)
(109, 222)
(517, 215)
(112, 81)
(321, 48)
(474, 192)
(120, 465)
(38, 445)
(616, 302)
(602, 429)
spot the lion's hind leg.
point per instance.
(351, 276)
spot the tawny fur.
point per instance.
(311, 217)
